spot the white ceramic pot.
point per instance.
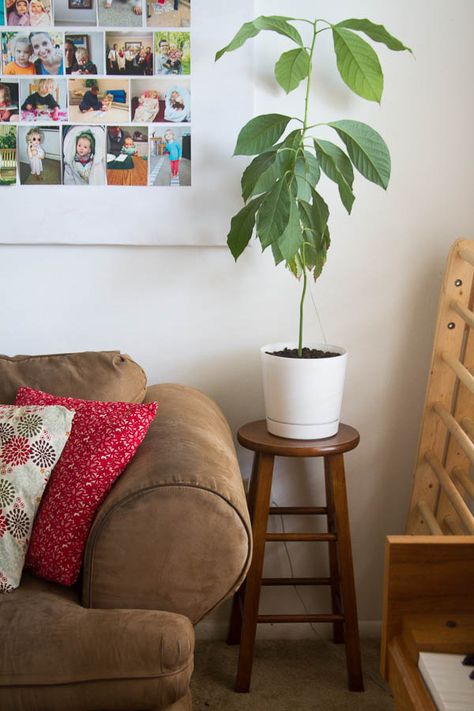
(303, 396)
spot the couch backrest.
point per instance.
(102, 375)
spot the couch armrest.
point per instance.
(174, 533)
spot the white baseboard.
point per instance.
(217, 630)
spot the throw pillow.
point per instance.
(31, 441)
(104, 438)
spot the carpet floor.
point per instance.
(288, 675)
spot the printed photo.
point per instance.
(8, 155)
(161, 100)
(9, 102)
(129, 53)
(84, 155)
(75, 13)
(168, 13)
(39, 150)
(29, 13)
(127, 155)
(84, 53)
(172, 53)
(99, 100)
(35, 53)
(120, 13)
(43, 100)
(170, 156)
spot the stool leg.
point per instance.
(260, 507)
(338, 627)
(335, 469)
(235, 626)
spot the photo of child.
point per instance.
(172, 53)
(17, 54)
(29, 13)
(127, 155)
(47, 52)
(43, 100)
(9, 102)
(170, 156)
(18, 14)
(129, 53)
(168, 13)
(98, 100)
(40, 13)
(173, 95)
(84, 54)
(84, 155)
(120, 13)
(74, 14)
(39, 155)
(8, 153)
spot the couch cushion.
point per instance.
(105, 375)
(31, 441)
(48, 639)
(104, 437)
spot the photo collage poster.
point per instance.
(95, 92)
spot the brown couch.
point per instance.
(170, 542)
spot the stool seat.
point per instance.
(343, 615)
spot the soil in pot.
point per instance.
(307, 353)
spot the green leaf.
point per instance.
(290, 241)
(337, 166)
(367, 150)
(295, 266)
(378, 33)
(274, 213)
(358, 64)
(254, 171)
(277, 255)
(247, 31)
(260, 133)
(307, 174)
(315, 215)
(241, 227)
(292, 68)
(277, 23)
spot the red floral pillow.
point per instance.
(104, 437)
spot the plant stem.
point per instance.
(303, 294)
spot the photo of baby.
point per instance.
(171, 96)
(38, 52)
(168, 13)
(9, 102)
(84, 155)
(98, 100)
(8, 153)
(39, 150)
(84, 53)
(120, 13)
(127, 155)
(29, 13)
(74, 14)
(172, 53)
(170, 156)
(43, 100)
(129, 53)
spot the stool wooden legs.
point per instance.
(336, 601)
(259, 504)
(334, 469)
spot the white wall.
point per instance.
(191, 315)
(65, 16)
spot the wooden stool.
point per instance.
(244, 618)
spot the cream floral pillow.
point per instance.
(32, 438)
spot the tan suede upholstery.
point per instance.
(106, 376)
(170, 542)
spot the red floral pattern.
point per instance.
(104, 437)
(16, 451)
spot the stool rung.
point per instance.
(300, 537)
(327, 617)
(296, 581)
(298, 510)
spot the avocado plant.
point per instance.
(280, 187)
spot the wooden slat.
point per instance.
(468, 426)
(449, 338)
(465, 314)
(464, 480)
(451, 492)
(298, 510)
(454, 525)
(467, 254)
(456, 430)
(293, 537)
(271, 619)
(430, 519)
(462, 372)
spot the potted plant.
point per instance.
(303, 385)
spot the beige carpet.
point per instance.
(288, 675)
